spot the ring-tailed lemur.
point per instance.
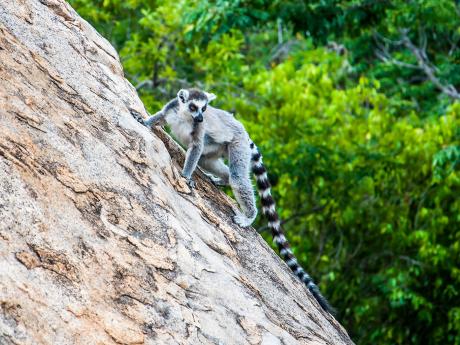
(211, 134)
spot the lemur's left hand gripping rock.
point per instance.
(211, 135)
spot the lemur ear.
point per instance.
(183, 95)
(210, 96)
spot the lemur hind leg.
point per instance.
(239, 156)
(215, 166)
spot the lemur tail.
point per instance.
(268, 209)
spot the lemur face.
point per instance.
(196, 108)
(193, 102)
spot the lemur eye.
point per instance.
(203, 109)
(193, 107)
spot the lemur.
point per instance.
(211, 134)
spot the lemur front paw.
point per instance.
(242, 220)
(190, 182)
(137, 116)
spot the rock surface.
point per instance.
(101, 241)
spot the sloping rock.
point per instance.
(101, 241)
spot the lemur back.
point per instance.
(212, 134)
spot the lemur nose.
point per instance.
(199, 118)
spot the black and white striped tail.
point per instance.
(268, 209)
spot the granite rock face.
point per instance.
(101, 240)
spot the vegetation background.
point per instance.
(354, 104)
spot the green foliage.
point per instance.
(364, 153)
(386, 238)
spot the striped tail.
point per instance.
(268, 209)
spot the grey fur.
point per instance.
(159, 118)
(218, 136)
(194, 151)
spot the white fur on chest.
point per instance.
(180, 128)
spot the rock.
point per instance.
(101, 240)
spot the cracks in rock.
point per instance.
(252, 330)
(59, 8)
(7, 339)
(64, 176)
(105, 51)
(138, 173)
(28, 121)
(63, 90)
(19, 155)
(208, 337)
(49, 260)
(10, 312)
(100, 95)
(126, 299)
